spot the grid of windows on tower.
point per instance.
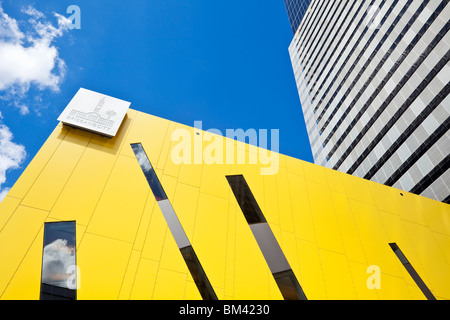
(373, 84)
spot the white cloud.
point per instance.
(3, 193)
(11, 156)
(56, 259)
(28, 58)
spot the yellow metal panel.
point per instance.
(396, 232)
(408, 207)
(349, 232)
(311, 276)
(386, 193)
(294, 165)
(103, 263)
(190, 174)
(357, 188)
(30, 174)
(230, 255)
(417, 294)
(185, 205)
(169, 185)
(156, 235)
(170, 167)
(26, 283)
(302, 217)
(170, 285)
(165, 151)
(334, 181)
(56, 172)
(360, 275)
(7, 208)
(145, 222)
(338, 280)
(436, 214)
(84, 187)
(393, 288)
(271, 211)
(214, 181)
(284, 201)
(331, 226)
(120, 208)
(288, 245)
(130, 275)
(79, 233)
(374, 238)
(144, 281)
(16, 239)
(315, 173)
(148, 130)
(444, 244)
(435, 267)
(210, 238)
(325, 220)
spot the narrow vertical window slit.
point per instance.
(274, 256)
(412, 272)
(187, 251)
(58, 273)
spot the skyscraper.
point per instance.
(296, 10)
(373, 80)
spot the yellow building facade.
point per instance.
(334, 229)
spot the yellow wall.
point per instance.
(331, 226)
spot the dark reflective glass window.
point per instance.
(412, 272)
(289, 286)
(245, 199)
(187, 251)
(274, 256)
(58, 275)
(198, 274)
(149, 172)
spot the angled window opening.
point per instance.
(58, 274)
(149, 172)
(274, 256)
(187, 251)
(412, 272)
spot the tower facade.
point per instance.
(296, 9)
(373, 80)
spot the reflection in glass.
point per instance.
(58, 260)
(149, 172)
(198, 274)
(289, 286)
(245, 199)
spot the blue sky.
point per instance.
(225, 63)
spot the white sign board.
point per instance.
(95, 112)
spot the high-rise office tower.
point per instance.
(373, 80)
(296, 9)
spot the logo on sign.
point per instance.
(95, 112)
